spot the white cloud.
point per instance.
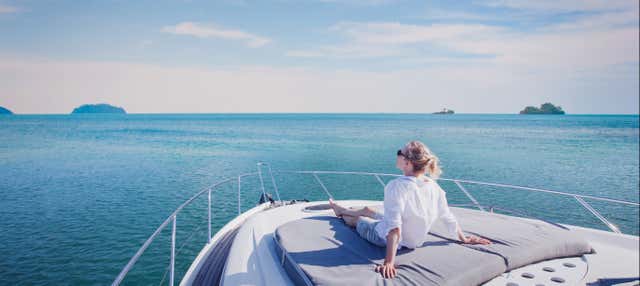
(573, 49)
(43, 86)
(370, 40)
(591, 41)
(399, 34)
(211, 31)
(144, 44)
(360, 2)
(598, 21)
(606, 33)
(439, 14)
(6, 9)
(348, 51)
(564, 5)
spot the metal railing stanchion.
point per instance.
(239, 182)
(469, 195)
(322, 185)
(273, 181)
(380, 180)
(261, 181)
(209, 216)
(173, 252)
(597, 214)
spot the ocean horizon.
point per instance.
(79, 194)
(323, 113)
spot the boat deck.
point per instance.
(253, 258)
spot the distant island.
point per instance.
(98, 108)
(5, 111)
(546, 108)
(445, 111)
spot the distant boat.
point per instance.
(445, 111)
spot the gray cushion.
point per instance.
(330, 253)
(324, 251)
(518, 241)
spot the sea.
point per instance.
(79, 194)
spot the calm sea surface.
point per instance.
(79, 194)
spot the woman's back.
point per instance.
(414, 205)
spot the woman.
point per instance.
(412, 203)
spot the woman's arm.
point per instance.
(452, 223)
(388, 268)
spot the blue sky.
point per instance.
(319, 55)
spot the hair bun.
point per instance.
(422, 159)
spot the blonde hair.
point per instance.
(422, 158)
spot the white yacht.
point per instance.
(291, 242)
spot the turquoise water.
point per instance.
(79, 194)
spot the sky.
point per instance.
(334, 56)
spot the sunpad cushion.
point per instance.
(518, 241)
(330, 253)
(324, 251)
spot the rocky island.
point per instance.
(445, 111)
(546, 108)
(5, 111)
(98, 108)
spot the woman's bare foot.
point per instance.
(336, 208)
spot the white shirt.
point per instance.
(413, 206)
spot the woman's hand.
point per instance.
(388, 270)
(472, 239)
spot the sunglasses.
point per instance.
(400, 153)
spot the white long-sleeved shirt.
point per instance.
(413, 206)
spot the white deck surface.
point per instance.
(253, 259)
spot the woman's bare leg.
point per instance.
(337, 209)
(350, 220)
(342, 211)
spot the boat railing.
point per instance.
(458, 182)
(262, 167)
(172, 219)
(492, 209)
